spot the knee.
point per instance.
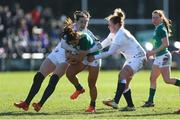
(91, 85)
(152, 79)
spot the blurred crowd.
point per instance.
(28, 32)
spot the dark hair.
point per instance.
(117, 17)
(167, 22)
(69, 34)
(80, 14)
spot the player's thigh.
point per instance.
(47, 67)
(74, 69)
(165, 71)
(126, 73)
(61, 69)
(93, 75)
(155, 72)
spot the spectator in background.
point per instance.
(36, 15)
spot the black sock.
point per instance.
(78, 87)
(177, 82)
(151, 95)
(93, 103)
(119, 91)
(127, 96)
(50, 88)
(37, 81)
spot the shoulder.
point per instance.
(85, 36)
(161, 28)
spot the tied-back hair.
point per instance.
(117, 17)
(167, 22)
(69, 34)
(80, 14)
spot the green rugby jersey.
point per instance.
(159, 33)
(85, 43)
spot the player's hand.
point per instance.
(150, 53)
(175, 52)
(90, 58)
(72, 61)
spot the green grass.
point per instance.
(14, 87)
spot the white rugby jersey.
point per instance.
(58, 48)
(124, 42)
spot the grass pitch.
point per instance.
(14, 86)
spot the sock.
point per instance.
(93, 103)
(50, 88)
(128, 98)
(177, 82)
(151, 94)
(37, 81)
(119, 91)
(78, 87)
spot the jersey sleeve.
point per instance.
(112, 50)
(85, 42)
(107, 42)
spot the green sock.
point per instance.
(151, 94)
(177, 82)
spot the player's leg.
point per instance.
(136, 64)
(155, 72)
(92, 78)
(165, 71)
(71, 73)
(58, 73)
(125, 73)
(37, 81)
(127, 95)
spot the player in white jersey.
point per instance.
(55, 63)
(122, 40)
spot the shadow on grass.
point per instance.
(61, 112)
(21, 113)
(81, 112)
(154, 114)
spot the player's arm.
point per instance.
(106, 42)
(78, 57)
(112, 50)
(176, 52)
(165, 44)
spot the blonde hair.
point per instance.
(166, 21)
(117, 17)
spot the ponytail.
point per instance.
(117, 17)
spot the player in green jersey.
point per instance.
(82, 42)
(163, 58)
